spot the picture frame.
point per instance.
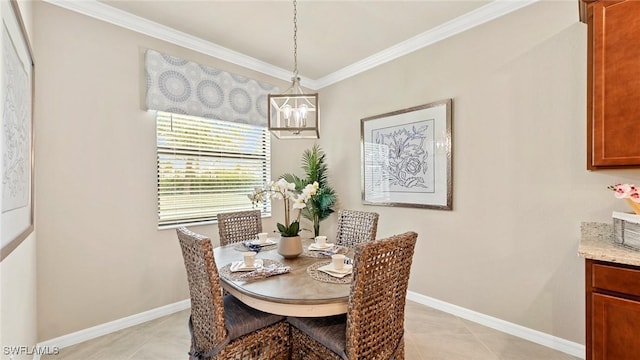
(17, 92)
(407, 157)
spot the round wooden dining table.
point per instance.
(294, 293)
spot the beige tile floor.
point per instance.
(430, 335)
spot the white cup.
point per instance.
(338, 261)
(321, 241)
(262, 237)
(249, 258)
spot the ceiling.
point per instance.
(336, 39)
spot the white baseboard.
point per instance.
(535, 336)
(112, 326)
(538, 337)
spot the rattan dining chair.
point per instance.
(373, 327)
(239, 226)
(223, 327)
(355, 227)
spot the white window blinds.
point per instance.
(208, 166)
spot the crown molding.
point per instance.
(153, 29)
(117, 17)
(460, 24)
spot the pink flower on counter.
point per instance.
(625, 191)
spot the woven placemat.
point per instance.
(241, 247)
(324, 277)
(319, 254)
(225, 271)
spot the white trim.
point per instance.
(101, 11)
(453, 27)
(117, 17)
(112, 326)
(538, 337)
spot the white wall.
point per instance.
(509, 247)
(18, 273)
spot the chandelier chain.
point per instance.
(295, 39)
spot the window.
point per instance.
(206, 167)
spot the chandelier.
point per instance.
(294, 114)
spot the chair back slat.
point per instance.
(207, 307)
(355, 227)
(375, 317)
(239, 226)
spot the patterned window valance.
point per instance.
(184, 87)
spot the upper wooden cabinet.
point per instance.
(613, 83)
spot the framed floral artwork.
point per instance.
(406, 157)
(16, 66)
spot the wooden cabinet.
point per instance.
(613, 311)
(613, 83)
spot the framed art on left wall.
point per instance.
(17, 90)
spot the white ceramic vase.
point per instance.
(290, 247)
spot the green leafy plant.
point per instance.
(320, 205)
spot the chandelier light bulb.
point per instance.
(286, 110)
(302, 110)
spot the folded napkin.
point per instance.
(240, 266)
(266, 243)
(265, 272)
(252, 247)
(317, 247)
(330, 270)
(336, 249)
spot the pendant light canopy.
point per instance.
(294, 114)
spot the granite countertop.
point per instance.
(597, 243)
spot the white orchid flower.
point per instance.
(284, 190)
(299, 203)
(282, 184)
(310, 189)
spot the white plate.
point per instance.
(314, 247)
(266, 243)
(240, 266)
(329, 269)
